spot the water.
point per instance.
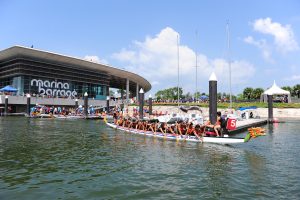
(81, 159)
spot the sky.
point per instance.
(156, 39)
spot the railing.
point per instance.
(22, 100)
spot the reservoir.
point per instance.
(85, 159)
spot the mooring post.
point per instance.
(141, 103)
(28, 105)
(150, 104)
(6, 106)
(107, 104)
(270, 108)
(86, 104)
(76, 103)
(213, 98)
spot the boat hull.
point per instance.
(218, 140)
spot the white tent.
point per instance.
(275, 90)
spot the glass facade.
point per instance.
(38, 77)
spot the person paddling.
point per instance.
(198, 132)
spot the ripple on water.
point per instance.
(52, 159)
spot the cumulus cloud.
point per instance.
(263, 46)
(95, 59)
(283, 35)
(156, 59)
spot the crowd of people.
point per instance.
(180, 127)
(53, 110)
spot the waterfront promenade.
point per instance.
(262, 112)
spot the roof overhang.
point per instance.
(116, 73)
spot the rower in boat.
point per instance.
(216, 127)
(198, 132)
(190, 129)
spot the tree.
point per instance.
(288, 88)
(247, 92)
(296, 90)
(240, 97)
(169, 94)
(219, 95)
(197, 95)
(188, 96)
(256, 93)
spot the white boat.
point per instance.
(205, 139)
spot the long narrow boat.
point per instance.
(218, 140)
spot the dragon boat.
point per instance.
(205, 139)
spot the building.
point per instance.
(54, 79)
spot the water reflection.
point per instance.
(53, 159)
(257, 166)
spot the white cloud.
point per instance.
(293, 78)
(283, 35)
(263, 46)
(154, 83)
(95, 59)
(156, 59)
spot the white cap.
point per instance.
(213, 77)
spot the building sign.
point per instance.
(53, 88)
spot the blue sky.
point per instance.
(141, 36)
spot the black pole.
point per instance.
(213, 98)
(150, 105)
(141, 103)
(6, 106)
(76, 103)
(107, 105)
(85, 104)
(270, 108)
(28, 105)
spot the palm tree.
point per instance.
(256, 93)
(247, 92)
(296, 90)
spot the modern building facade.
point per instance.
(49, 75)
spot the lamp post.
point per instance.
(150, 104)
(28, 104)
(141, 103)
(213, 98)
(6, 106)
(85, 104)
(107, 104)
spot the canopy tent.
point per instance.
(8, 88)
(275, 90)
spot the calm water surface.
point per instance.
(81, 159)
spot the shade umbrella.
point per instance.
(8, 88)
(204, 97)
